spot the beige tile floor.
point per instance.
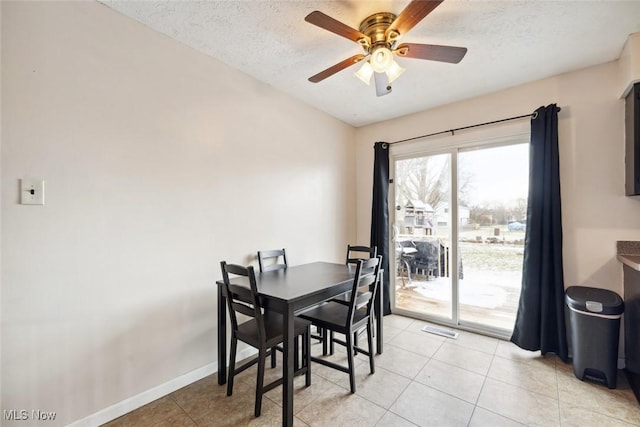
(421, 380)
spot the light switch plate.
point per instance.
(31, 192)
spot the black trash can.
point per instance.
(594, 318)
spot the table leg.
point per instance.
(287, 368)
(222, 337)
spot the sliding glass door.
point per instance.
(458, 234)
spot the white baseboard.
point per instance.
(123, 407)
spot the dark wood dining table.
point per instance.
(288, 292)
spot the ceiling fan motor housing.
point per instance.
(375, 27)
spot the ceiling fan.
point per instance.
(379, 35)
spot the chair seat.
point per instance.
(332, 315)
(248, 331)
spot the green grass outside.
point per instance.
(491, 257)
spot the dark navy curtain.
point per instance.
(380, 215)
(540, 322)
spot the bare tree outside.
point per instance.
(427, 179)
(424, 178)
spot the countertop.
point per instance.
(632, 261)
(629, 253)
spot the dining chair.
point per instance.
(349, 319)
(355, 253)
(272, 260)
(352, 259)
(263, 331)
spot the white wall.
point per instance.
(595, 211)
(159, 162)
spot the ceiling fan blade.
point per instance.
(334, 69)
(431, 52)
(382, 84)
(328, 23)
(410, 16)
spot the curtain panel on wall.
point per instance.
(540, 322)
(380, 216)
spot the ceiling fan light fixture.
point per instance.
(364, 73)
(378, 36)
(381, 59)
(394, 71)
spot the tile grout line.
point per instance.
(476, 406)
(412, 380)
(173, 399)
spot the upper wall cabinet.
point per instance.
(632, 141)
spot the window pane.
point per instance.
(423, 235)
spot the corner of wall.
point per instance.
(629, 64)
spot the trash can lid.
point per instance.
(594, 300)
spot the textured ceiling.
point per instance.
(509, 42)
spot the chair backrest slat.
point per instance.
(270, 260)
(365, 284)
(360, 253)
(243, 308)
(242, 299)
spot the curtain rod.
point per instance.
(452, 131)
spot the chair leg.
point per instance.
(232, 365)
(331, 345)
(307, 357)
(260, 381)
(296, 350)
(352, 373)
(355, 343)
(372, 366)
(325, 342)
(273, 357)
(373, 322)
